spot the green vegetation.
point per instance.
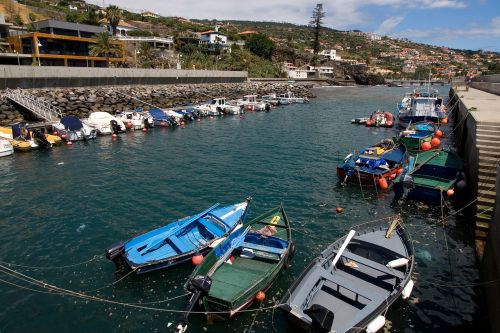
(104, 47)
(316, 22)
(113, 15)
(494, 68)
(260, 45)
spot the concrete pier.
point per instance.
(478, 134)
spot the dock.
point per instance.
(477, 112)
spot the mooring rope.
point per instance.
(52, 267)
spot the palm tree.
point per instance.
(113, 15)
(104, 47)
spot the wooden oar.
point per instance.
(342, 248)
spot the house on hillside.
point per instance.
(330, 54)
(122, 29)
(58, 43)
(150, 14)
(214, 41)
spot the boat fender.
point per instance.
(397, 262)
(408, 289)
(375, 324)
(382, 182)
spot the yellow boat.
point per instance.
(24, 139)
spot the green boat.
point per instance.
(415, 135)
(431, 177)
(241, 268)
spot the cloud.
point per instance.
(443, 4)
(389, 24)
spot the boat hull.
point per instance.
(364, 178)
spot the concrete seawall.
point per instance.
(56, 76)
(477, 112)
(488, 83)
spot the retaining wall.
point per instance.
(488, 83)
(58, 76)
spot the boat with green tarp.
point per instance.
(241, 268)
(430, 177)
(415, 135)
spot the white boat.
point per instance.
(289, 97)
(218, 106)
(250, 103)
(104, 123)
(132, 119)
(71, 128)
(6, 148)
(174, 114)
(271, 99)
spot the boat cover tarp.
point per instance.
(17, 131)
(158, 114)
(71, 123)
(395, 155)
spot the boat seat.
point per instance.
(179, 244)
(262, 248)
(373, 264)
(211, 228)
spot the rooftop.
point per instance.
(47, 24)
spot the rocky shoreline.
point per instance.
(82, 101)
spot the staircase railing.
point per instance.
(37, 106)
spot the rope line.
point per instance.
(51, 267)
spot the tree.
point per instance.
(18, 20)
(146, 55)
(261, 45)
(316, 21)
(32, 17)
(90, 17)
(104, 47)
(113, 15)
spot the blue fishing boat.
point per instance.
(373, 165)
(160, 118)
(422, 106)
(178, 241)
(431, 177)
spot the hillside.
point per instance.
(391, 58)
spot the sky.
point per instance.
(463, 24)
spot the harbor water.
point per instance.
(59, 210)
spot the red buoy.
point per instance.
(197, 259)
(438, 134)
(55, 133)
(183, 123)
(339, 210)
(399, 171)
(426, 146)
(382, 183)
(450, 192)
(63, 136)
(69, 143)
(130, 125)
(435, 142)
(260, 296)
(392, 176)
(144, 129)
(163, 124)
(114, 135)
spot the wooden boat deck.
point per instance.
(232, 280)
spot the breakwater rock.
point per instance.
(82, 101)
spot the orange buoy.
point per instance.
(144, 129)
(450, 192)
(339, 210)
(438, 134)
(197, 259)
(382, 183)
(130, 125)
(182, 123)
(392, 176)
(444, 121)
(69, 143)
(435, 142)
(399, 171)
(260, 296)
(426, 146)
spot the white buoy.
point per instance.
(407, 289)
(397, 262)
(375, 324)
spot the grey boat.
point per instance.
(351, 284)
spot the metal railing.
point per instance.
(37, 106)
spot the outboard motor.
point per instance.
(322, 318)
(148, 122)
(199, 285)
(40, 139)
(268, 107)
(116, 128)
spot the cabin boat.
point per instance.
(218, 106)
(250, 103)
(105, 123)
(351, 284)
(289, 98)
(270, 99)
(160, 118)
(71, 128)
(432, 177)
(244, 265)
(178, 241)
(134, 120)
(6, 148)
(421, 107)
(373, 165)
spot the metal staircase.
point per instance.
(40, 108)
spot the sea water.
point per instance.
(59, 210)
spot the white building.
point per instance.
(215, 41)
(330, 54)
